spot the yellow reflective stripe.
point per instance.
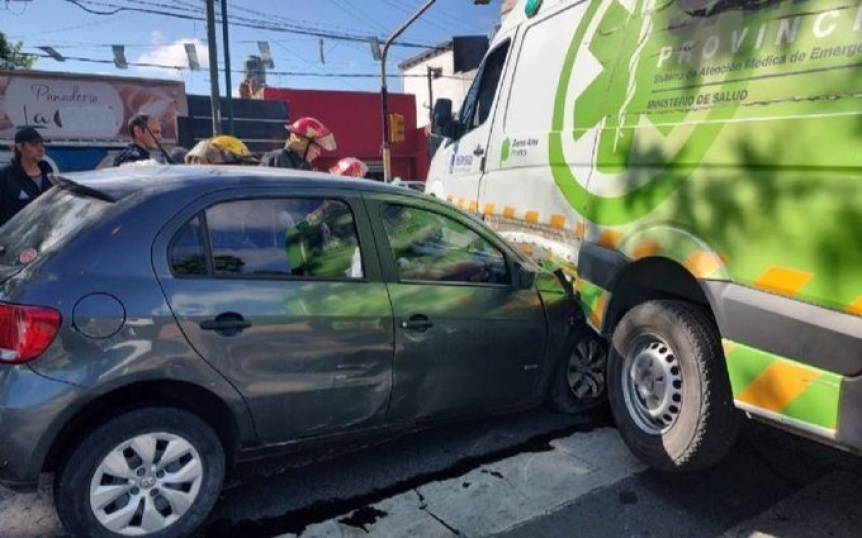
(558, 222)
(702, 264)
(579, 284)
(856, 307)
(532, 217)
(581, 230)
(783, 281)
(610, 239)
(645, 249)
(728, 346)
(599, 311)
(778, 386)
(509, 212)
(489, 209)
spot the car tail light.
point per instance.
(26, 331)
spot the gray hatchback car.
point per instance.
(160, 324)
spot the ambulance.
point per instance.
(696, 167)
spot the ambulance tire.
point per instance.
(668, 386)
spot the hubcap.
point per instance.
(652, 384)
(586, 372)
(146, 484)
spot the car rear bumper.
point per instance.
(30, 405)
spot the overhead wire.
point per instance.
(240, 16)
(235, 20)
(222, 70)
(435, 18)
(348, 8)
(293, 21)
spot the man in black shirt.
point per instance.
(146, 132)
(26, 177)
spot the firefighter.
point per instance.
(222, 149)
(349, 167)
(308, 138)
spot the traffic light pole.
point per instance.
(228, 90)
(211, 43)
(384, 94)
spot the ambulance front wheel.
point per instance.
(668, 386)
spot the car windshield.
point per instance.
(46, 223)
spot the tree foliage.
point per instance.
(11, 56)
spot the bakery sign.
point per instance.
(86, 107)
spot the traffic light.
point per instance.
(396, 127)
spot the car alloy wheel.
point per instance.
(146, 483)
(153, 471)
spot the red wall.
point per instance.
(355, 119)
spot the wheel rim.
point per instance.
(652, 384)
(146, 484)
(586, 370)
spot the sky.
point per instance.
(89, 28)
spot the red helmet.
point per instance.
(315, 131)
(350, 167)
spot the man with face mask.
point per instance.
(26, 177)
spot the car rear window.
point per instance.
(46, 223)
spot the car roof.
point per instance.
(117, 183)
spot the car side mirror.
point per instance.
(442, 123)
(523, 276)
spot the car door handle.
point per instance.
(479, 151)
(417, 323)
(227, 324)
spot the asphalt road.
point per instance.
(275, 499)
(525, 475)
(285, 495)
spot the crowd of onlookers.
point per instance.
(26, 177)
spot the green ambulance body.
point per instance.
(697, 166)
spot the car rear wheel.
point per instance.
(153, 472)
(668, 386)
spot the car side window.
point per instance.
(477, 104)
(186, 253)
(428, 246)
(299, 237)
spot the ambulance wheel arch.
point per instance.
(649, 279)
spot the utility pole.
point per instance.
(211, 42)
(384, 95)
(227, 83)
